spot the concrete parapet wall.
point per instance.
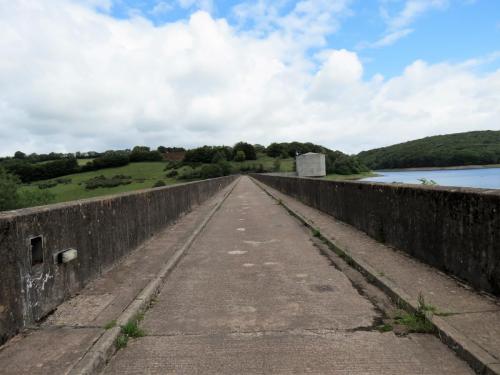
(102, 230)
(456, 230)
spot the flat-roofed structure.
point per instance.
(311, 165)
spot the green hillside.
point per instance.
(141, 176)
(471, 148)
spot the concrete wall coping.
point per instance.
(5, 215)
(450, 189)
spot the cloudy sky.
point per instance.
(348, 74)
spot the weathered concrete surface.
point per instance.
(454, 229)
(57, 344)
(254, 296)
(475, 317)
(103, 230)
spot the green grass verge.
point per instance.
(359, 176)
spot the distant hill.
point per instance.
(471, 148)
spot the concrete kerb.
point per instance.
(105, 346)
(479, 359)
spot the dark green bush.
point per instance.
(159, 183)
(211, 171)
(143, 153)
(47, 185)
(109, 159)
(206, 154)
(28, 171)
(189, 173)
(172, 173)
(104, 182)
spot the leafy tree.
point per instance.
(109, 159)
(206, 154)
(12, 197)
(247, 148)
(9, 184)
(259, 148)
(141, 149)
(275, 150)
(240, 156)
(345, 165)
(144, 153)
(211, 171)
(226, 167)
(19, 155)
(218, 157)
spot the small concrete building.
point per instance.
(311, 165)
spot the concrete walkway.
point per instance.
(470, 320)
(58, 344)
(254, 295)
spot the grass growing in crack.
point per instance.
(427, 307)
(385, 327)
(417, 321)
(121, 342)
(131, 329)
(110, 324)
(316, 233)
(414, 322)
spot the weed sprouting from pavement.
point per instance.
(121, 342)
(385, 327)
(316, 233)
(131, 329)
(417, 321)
(414, 322)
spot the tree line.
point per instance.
(470, 148)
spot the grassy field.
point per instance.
(149, 172)
(144, 175)
(83, 161)
(340, 177)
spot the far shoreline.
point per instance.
(459, 167)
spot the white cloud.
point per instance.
(411, 10)
(306, 24)
(74, 79)
(162, 7)
(391, 38)
(398, 23)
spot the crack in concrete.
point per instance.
(298, 331)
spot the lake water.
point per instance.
(488, 178)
